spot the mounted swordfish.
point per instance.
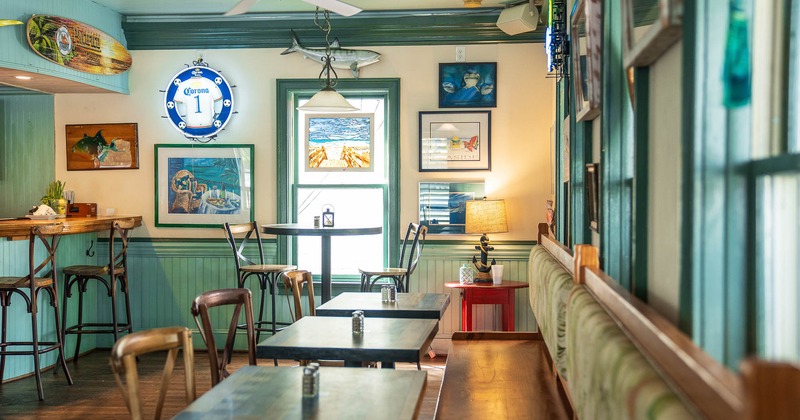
(343, 58)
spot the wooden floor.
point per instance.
(95, 394)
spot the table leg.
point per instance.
(508, 311)
(325, 276)
(466, 311)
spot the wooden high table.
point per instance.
(257, 392)
(21, 228)
(488, 294)
(325, 233)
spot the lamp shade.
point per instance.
(327, 100)
(486, 216)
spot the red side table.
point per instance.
(488, 294)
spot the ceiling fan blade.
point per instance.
(241, 7)
(335, 6)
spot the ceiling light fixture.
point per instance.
(23, 77)
(327, 99)
(472, 3)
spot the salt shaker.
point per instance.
(311, 380)
(358, 323)
(392, 292)
(385, 294)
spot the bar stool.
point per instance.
(267, 274)
(47, 235)
(116, 271)
(400, 276)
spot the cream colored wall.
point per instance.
(664, 194)
(520, 126)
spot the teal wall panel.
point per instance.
(26, 140)
(16, 54)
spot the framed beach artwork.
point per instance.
(102, 146)
(443, 205)
(203, 185)
(455, 141)
(339, 142)
(467, 85)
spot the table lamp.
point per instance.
(485, 216)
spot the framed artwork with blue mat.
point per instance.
(467, 85)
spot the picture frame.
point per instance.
(442, 144)
(467, 85)
(593, 194)
(339, 142)
(442, 205)
(586, 37)
(102, 146)
(203, 185)
(649, 28)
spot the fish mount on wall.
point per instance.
(76, 45)
(343, 58)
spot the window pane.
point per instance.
(352, 207)
(780, 264)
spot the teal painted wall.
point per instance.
(16, 54)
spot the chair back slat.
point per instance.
(241, 299)
(238, 236)
(121, 228)
(47, 235)
(128, 348)
(295, 281)
(414, 250)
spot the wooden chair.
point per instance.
(410, 254)
(245, 268)
(29, 287)
(115, 271)
(295, 281)
(128, 348)
(239, 298)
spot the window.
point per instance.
(313, 173)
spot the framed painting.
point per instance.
(339, 142)
(649, 28)
(467, 85)
(455, 141)
(442, 205)
(203, 185)
(587, 39)
(593, 194)
(102, 146)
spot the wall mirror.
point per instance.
(586, 40)
(650, 27)
(442, 205)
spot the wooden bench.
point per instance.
(607, 354)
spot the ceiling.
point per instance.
(192, 7)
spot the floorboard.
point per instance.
(95, 394)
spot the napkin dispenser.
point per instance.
(82, 210)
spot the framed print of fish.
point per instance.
(102, 146)
(467, 85)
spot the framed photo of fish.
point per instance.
(455, 141)
(467, 85)
(203, 185)
(339, 142)
(102, 146)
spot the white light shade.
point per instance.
(486, 216)
(327, 100)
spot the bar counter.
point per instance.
(21, 228)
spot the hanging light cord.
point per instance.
(327, 68)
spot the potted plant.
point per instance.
(54, 198)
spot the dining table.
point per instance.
(385, 340)
(325, 234)
(257, 392)
(407, 305)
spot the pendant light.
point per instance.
(327, 99)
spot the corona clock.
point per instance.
(199, 102)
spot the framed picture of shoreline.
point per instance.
(443, 205)
(102, 146)
(339, 142)
(203, 185)
(455, 141)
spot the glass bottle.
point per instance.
(466, 274)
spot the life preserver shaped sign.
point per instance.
(199, 102)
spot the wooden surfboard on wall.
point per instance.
(76, 45)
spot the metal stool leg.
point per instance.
(35, 341)
(81, 288)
